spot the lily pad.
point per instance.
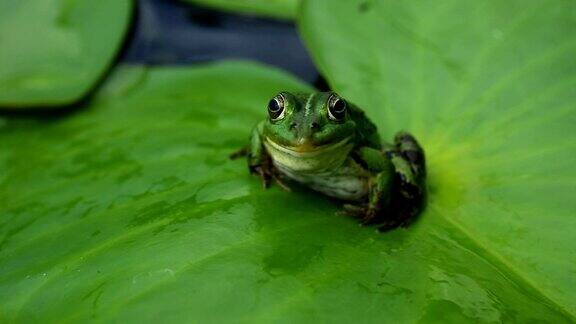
(130, 211)
(54, 52)
(489, 89)
(281, 9)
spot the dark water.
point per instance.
(168, 32)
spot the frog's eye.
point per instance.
(276, 108)
(336, 108)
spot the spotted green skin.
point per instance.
(344, 159)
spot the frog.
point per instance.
(323, 142)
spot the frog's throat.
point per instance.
(308, 151)
(292, 161)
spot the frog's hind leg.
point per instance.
(409, 150)
(409, 162)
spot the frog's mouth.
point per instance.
(307, 148)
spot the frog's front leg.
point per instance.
(259, 161)
(381, 179)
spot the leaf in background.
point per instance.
(53, 53)
(129, 210)
(282, 9)
(489, 89)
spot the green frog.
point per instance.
(329, 145)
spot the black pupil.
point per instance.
(338, 108)
(274, 109)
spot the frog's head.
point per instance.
(308, 122)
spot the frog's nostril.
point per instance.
(315, 126)
(293, 126)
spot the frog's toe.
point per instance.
(263, 175)
(365, 214)
(278, 179)
(239, 153)
(265, 181)
(402, 221)
(369, 217)
(353, 210)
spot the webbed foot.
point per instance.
(268, 173)
(265, 171)
(372, 216)
(366, 214)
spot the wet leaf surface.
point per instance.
(130, 210)
(54, 52)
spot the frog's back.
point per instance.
(366, 131)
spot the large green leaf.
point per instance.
(130, 210)
(489, 88)
(54, 52)
(283, 9)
